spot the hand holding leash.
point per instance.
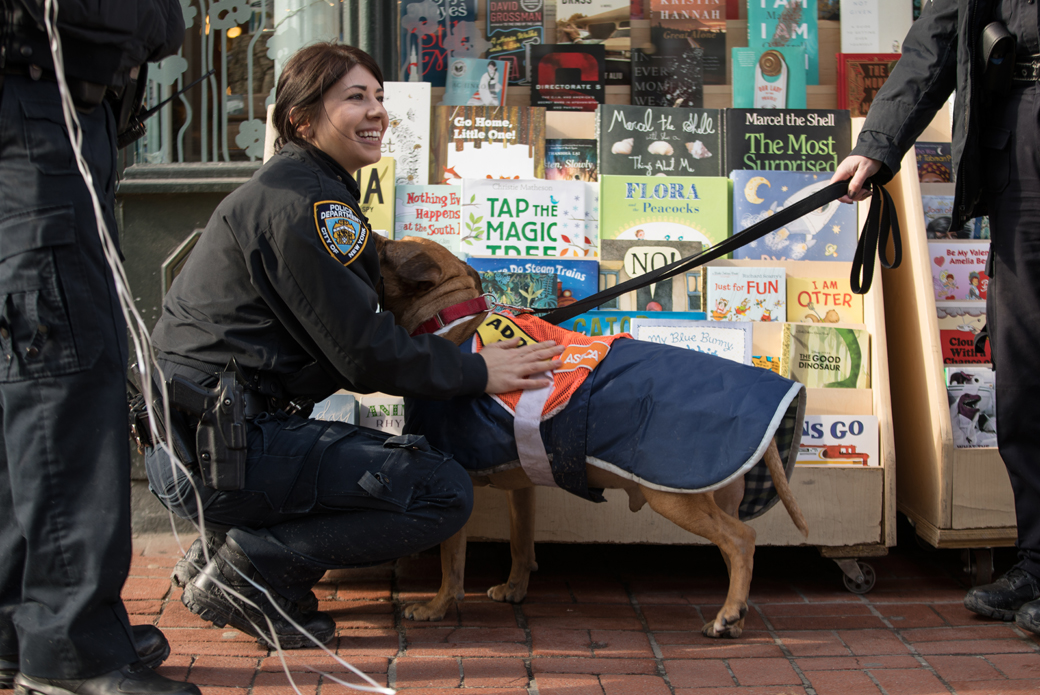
(512, 368)
(859, 169)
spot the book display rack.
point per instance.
(956, 497)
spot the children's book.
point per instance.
(656, 140)
(934, 161)
(568, 159)
(376, 182)
(599, 22)
(938, 218)
(674, 79)
(874, 26)
(526, 217)
(787, 140)
(476, 142)
(680, 208)
(613, 322)
(513, 26)
(828, 233)
(729, 340)
(959, 324)
(432, 33)
(379, 411)
(979, 227)
(475, 82)
(769, 78)
(429, 212)
(823, 300)
(776, 23)
(826, 356)
(407, 139)
(971, 392)
(624, 259)
(959, 269)
(677, 25)
(745, 294)
(839, 440)
(576, 278)
(770, 362)
(860, 76)
(534, 290)
(339, 407)
(567, 77)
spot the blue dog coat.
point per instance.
(669, 418)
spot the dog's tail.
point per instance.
(776, 471)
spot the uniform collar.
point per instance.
(324, 162)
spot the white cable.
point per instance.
(146, 358)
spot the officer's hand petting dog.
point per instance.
(512, 368)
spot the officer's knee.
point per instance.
(450, 491)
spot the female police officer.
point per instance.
(284, 280)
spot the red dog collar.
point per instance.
(453, 313)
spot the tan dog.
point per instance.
(420, 279)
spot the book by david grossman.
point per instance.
(826, 356)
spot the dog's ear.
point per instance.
(476, 277)
(420, 273)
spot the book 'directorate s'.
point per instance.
(826, 356)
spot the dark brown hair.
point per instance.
(310, 72)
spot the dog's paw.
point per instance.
(425, 612)
(507, 593)
(726, 624)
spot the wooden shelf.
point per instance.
(956, 497)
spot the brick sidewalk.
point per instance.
(619, 620)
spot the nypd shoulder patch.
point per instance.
(340, 229)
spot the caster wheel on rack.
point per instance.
(861, 587)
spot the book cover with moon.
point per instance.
(828, 233)
(676, 208)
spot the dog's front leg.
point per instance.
(453, 576)
(521, 547)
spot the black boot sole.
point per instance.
(216, 611)
(976, 606)
(185, 570)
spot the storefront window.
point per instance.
(222, 118)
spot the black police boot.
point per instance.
(204, 597)
(1028, 617)
(152, 647)
(150, 642)
(194, 560)
(8, 670)
(133, 679)
(1004, 597)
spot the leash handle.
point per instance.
(878, 224)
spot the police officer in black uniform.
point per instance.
(285, 281)
(64, 461)
(988, 51)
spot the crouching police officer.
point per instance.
(64, 465)
(284, 282)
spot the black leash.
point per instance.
(873, 241)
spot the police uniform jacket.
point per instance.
(940, 55)
(101, 41)
(284, 278)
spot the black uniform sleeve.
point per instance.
(332, 310)
(920, 84)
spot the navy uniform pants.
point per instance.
(64, 457)
(1012, 172)
(325, 495)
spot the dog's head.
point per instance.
(421, 277)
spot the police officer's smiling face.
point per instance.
(350, 127)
